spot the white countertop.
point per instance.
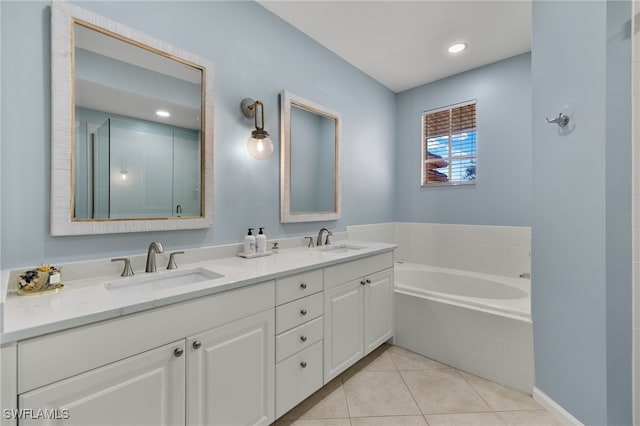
(84, 301)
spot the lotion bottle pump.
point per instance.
(249, 243)
(261, 242)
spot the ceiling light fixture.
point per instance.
(457, 48)
(259, 144)
(163, 113)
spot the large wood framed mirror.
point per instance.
(132, 129)
(309, 161)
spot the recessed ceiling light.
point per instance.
(457, 48)
(162, 113)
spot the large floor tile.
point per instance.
(407, 360)
(528, 418)
(328, 402)
(378, 393)
(443, 391)
(499, 397)
(389, 421)
(464, 419)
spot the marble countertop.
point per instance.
(85, 301)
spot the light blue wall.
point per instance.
(502, 193)
(581, 228)
(256, 55)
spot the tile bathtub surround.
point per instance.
(496, 347)
(395, 387)
(498, 250)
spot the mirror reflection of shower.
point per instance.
(135, 169)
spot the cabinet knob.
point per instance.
(362, 282)
(303, 286)
(303, 338)
(303, 364)
(178, 352)
(368, 281)
(303, 312)
(196, 344)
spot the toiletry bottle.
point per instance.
(261, 242)
(249, 243)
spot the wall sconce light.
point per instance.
(259, 144)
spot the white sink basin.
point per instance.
(339, 248)
(162, 280)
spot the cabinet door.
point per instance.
(9, 383)
(230, 373)
(378, 309)
(145, 389)
(343, 328)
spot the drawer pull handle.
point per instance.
(368, 281)
(196, 344)
(303, 286)
(303, 338)
(303, 364)
(362, 282)
(303, 312)
(178, 352)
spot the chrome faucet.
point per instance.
(319, 241)
(154, 247)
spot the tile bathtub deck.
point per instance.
(395, 387)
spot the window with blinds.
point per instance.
(449, 145)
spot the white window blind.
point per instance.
(449, 145)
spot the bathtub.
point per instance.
(475, 322)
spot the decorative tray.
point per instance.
(42, 280)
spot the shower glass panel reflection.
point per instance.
(137, 169)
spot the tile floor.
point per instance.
(395, 387)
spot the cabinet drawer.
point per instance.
(297, 286)
(298, 338)
(345, 272)
(297, 312)
(298, 377)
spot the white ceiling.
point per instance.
(403, 44)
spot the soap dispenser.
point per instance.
(261, 242)
(249, 242)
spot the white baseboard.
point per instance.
(554, 408)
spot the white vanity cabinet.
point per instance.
(230, 373)
(243, 356)
(299, 338)
(146, 389)
(125, 372)
(359, 312)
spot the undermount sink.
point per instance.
(339, 248)
(162, 280)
